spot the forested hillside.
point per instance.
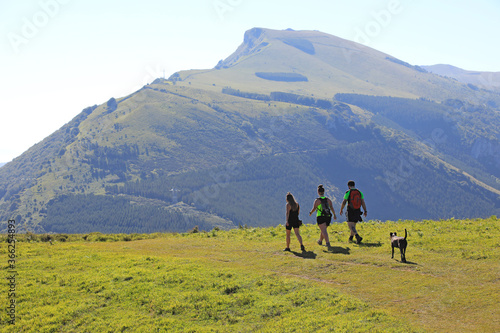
(467, 135)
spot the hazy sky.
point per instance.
(59, 56)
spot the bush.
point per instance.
(31, 237)
(61, 237)
(45, 238)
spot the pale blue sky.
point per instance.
(59, 56)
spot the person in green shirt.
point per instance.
(324, 208)
(354, 199)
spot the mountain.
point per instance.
(286, 111)
(329, 64)
(475, 79)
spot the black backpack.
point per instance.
(325, 208)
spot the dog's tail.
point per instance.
(406, 234)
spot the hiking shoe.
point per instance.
(287, 249)
(351, 239)
(359, 239)
(328, 246)
(303, 248)
(319, 242)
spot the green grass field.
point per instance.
(242, 281)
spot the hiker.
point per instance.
(324, 208)
(355, 200)
(292, 221)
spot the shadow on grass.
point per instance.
(338, 249)
(305, 254)
(378, 244)
(407, 262)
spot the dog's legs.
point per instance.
(392, 253)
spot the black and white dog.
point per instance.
(400, 243)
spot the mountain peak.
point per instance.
(251, 39)
(256, 39)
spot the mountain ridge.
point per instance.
(487, 80)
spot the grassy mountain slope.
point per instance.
(223, 146)
(241, 280)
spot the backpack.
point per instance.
(354, 199)
(325, 209)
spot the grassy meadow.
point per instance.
(242, 281)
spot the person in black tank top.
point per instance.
(292, 221)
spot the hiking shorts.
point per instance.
(324, 219)
(293, 224)
(354, 216)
